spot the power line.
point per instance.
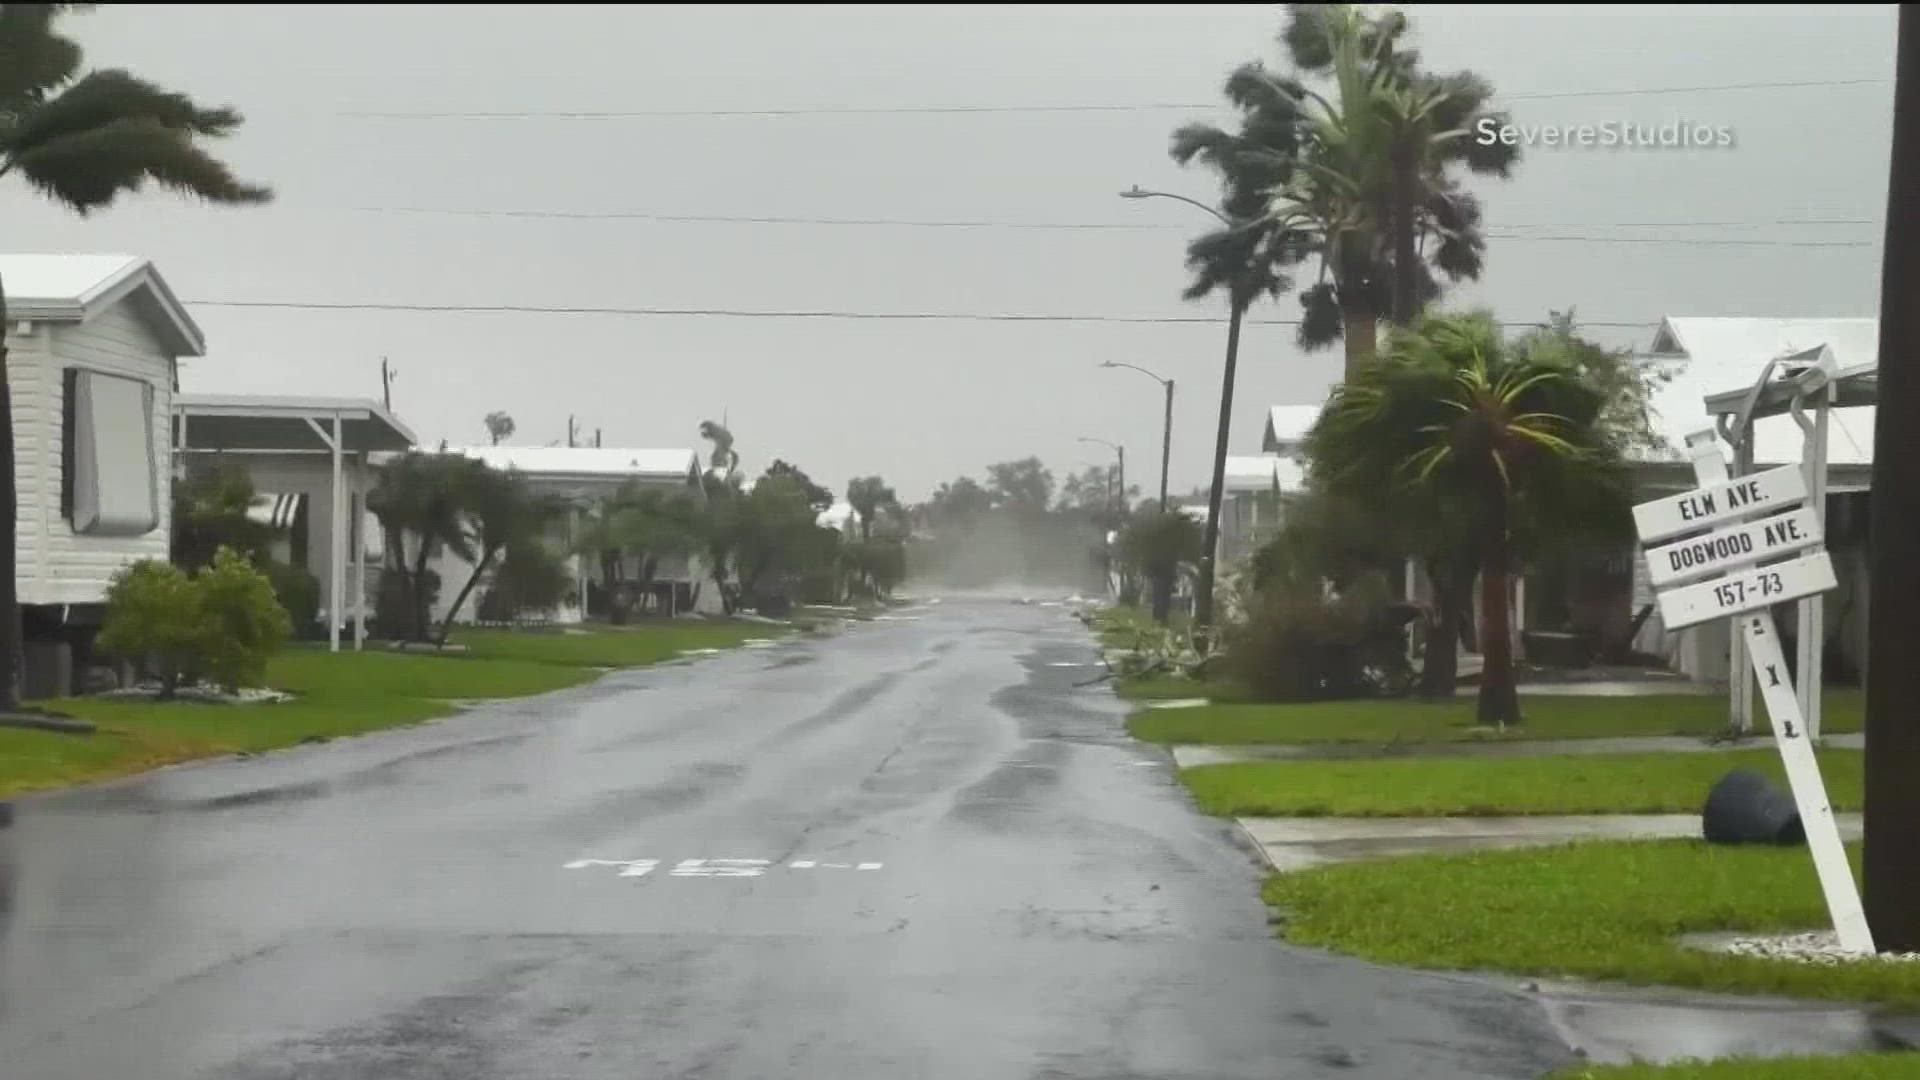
(909, 223)
(747, 313)
(951, 110)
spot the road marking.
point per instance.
(720, 868)
(632, 867)
(836, 866)
(868, 866)
(804, 864)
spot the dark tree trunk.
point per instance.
(1892, 860)
(422, 612)
(10, 662)
(1406, 278)
(1440, 670)
(1162, 597)
(1360, 327)
(473, 579)
(1210, 542)
(1499, 702)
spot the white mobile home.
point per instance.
(584, 476)
(93, 342)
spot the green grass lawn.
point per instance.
(613, 646)
(1407, 720)
(1890, 1066)
(1600, 910)
(1431, 787)
(345, 693)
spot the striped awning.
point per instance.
(275, 511)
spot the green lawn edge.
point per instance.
(1389, 721)
(1602, 911)
(1640, 783)
(340, 695)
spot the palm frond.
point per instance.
(88, 169)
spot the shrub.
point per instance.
(154, 618)
(223, 623)
(242, 623)
(1303, 644)
(299, 593)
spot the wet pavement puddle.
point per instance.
(712, 868)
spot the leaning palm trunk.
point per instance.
(1499, 702)
(10, 663)
(460, 601)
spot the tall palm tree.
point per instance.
(1502, 438)
(1365, 180)
(1892, 860)
(1385, 158)
(82, 141)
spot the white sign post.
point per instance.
(1746, 592)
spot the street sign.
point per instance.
(1732, 547)
(1748, 590)
(1716, 504)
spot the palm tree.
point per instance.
(82, 141)
(868, 495)
(725, 463)
(499, 427)
(1501, 439)
(1892, 860)
(501, 513)
(421, 496)
(1155, 545)
(1382, 177)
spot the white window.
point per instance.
(110, 480)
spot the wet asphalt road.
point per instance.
(1001, 885)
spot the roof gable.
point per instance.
(75, 288)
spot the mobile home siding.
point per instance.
(57, 566)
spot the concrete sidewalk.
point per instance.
(1186, 756)
(1298, 843)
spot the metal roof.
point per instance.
(74, 288)
(1264, 472)
(272, 423)
(1287, 427)
(1722, 357)
(589, 461)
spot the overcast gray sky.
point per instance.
(918, 402)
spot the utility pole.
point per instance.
(1892, 859)
(1122, 508)
(386, 384)
(1166, 446)
(596, 438)
(570, 432)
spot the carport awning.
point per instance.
(218, 422)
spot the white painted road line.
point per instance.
(710, 868)
(868, 866)
(804, 864)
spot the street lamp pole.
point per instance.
(1210, 542)
(1166, 426)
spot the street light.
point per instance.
(1138, 192)
(1236, 307)
(1122, 451)
(1166, 426)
